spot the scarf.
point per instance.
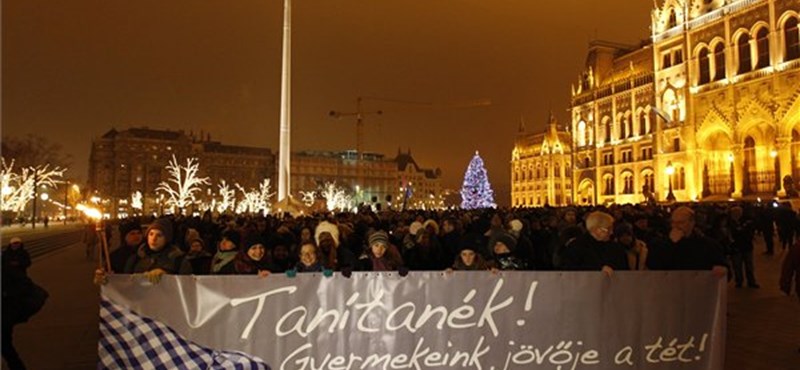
(221, 259)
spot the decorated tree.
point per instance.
(256, 200)
(476, 192)
(308, 197)
(336, 197)
(182, 184)
(227, 197)
(18, 188)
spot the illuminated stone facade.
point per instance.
(709, 107)
(422, 186)
(122, 162)
(541, 167)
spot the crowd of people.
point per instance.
(715, 237)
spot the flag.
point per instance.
(131, 341)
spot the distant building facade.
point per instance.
(541, 167)
(135, 159)
(369, 179)
(707, 109)
(417, 187)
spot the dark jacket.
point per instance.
(170, 259)
(585, 253)
(694, 252)
(120, 256)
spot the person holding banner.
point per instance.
(381, 255)
(250, 259)
(158, 256)
(131, 237)
(594, 250)
(227, 249)
(469, 257)
(310, 259)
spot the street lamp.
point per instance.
(733, 176)
(774, 154)
(670, 170)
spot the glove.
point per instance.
(291, 273)
(154, 276)
(347, 272)
(327, 272)
(100, 277)
(403, 271)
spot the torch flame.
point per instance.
(90, 212)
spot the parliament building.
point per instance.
(707, 109)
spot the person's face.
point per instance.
(134, 237)
(641, 223)
(496, 221)
(256, 252)
(501, 248)
(196, 247)
(378, 249)
(305, 234)
(603, 233)
(226, 245)
(682, 222)
(281, 252)
(448, 227)
(570, 217)
(156, 239)
(467, 257)
(308, 254)
(625, 239)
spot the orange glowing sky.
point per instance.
(74, 69)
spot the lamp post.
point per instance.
(733, 178)
(774, 154)
(670, 170)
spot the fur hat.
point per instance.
(164, 225)
(379, 236)
(233, 236)
(327, 227)
(414, 227)
(516, 225)
(433, 224)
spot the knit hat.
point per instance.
(164, 225)
(127, 226)
(251, 240)
(15, 239)
(503, 237)
(379, 237)
(472, 241)
(414, 227)
(233, 236)
(327, 227)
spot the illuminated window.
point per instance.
(678, 58)
(705, 67)
(762, 43)
(745, 59)
(719, 61)
(791, 38)
(628, 181)
(609, 185)
(643, 129)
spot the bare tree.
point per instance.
(182, 183)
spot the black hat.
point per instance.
(503, 237)
(472, 241)
(165, 226)
(233, 236)
(251, 240)
(127, 226)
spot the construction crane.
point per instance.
(360, 113)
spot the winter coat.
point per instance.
(693, 252)
(791, 270)
(585, 253)
(170, 259)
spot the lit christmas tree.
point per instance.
(476, 192)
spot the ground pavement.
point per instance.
(763, 324)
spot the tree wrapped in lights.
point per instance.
(256, 199)
(136, 200)
(476, 192)
(308, 197)
(183, 183)
(336, 197)
(19, 188)
(228, 196)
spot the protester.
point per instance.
(131, 237)
(686, 248)
(158, 256)
(251, 260)
(381, 255)
(16, 288)
(228, 247)
(594, 250)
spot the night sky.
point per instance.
(74, 69)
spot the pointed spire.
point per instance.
(521, 123)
